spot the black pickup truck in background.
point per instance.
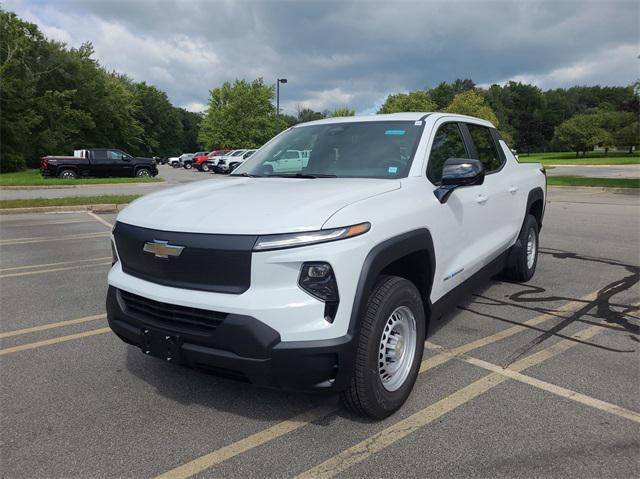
(97, 162)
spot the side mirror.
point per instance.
(458, 172)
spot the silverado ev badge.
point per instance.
(162, 249)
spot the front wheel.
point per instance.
(188, 165)
(205, 167)
(523, 257)
(389, 349)
(143, 173)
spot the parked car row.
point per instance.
(218, 161)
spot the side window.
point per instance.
(115, 155)
(448, 143)
(485, 146)
(99, 156)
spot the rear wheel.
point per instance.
(143, 173)
(523, 257)
(68, 174)
(188, 165)
(204, 167)
(389, 349)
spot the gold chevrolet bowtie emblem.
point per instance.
(162, 249)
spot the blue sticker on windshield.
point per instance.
(392, 169)
(394, 132)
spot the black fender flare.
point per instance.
(381, 256)
(534, 195)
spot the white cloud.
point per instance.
(623, 59)
(195, 107)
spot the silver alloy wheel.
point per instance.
(143, 172)
(531, 249)
(397, 348)
(68, 175)
(205, 167)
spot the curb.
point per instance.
(70, 187)
(102, 208)
(595, 189)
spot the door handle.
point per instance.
(481, 199)
(513, 189)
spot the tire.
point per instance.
(188, 165)
(143, 173)
(374, 391)
(232, 167)
(523, 257)
(68, 174)
(205, 168)
(175, 165)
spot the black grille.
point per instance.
(208, 262)
(171, 316)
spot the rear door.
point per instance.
(100, 163)
(500, 204)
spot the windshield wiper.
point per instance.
(247, 175)
(304, 175)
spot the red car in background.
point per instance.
(200, 162)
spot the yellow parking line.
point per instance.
(216, 457)
(505, 333)
(44, 327)
(100, 219)
(44, 239)
(52, 270)
(376, 443)
(426, 365)
(47, 342)
(552, 388)
(45, 265)
(43, 223)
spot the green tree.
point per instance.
(307, 114)
(190, 126)
(161, 124)
(343, 112)
(240, 115)
(472, 103)
(21, 49)
(582, 133)
(417, 101)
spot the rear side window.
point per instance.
(485, 146)
(99, 156)
(448, 143)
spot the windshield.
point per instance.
(371, 149)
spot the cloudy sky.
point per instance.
(347, 53)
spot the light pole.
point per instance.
(283, 81)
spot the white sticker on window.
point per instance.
(418, 123)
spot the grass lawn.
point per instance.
(600, 182)
(69, 201)
(592, 158)
(33, 178)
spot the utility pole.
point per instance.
(283, 81)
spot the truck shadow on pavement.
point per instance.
(189, 386)
(193, 386)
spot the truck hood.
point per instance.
(251, 205)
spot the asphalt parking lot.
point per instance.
(527, 380)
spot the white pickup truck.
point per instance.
(326, 276)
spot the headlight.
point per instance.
(291, 240)
(114, 253)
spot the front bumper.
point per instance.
(245, 348)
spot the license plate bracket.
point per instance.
(161, 345)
